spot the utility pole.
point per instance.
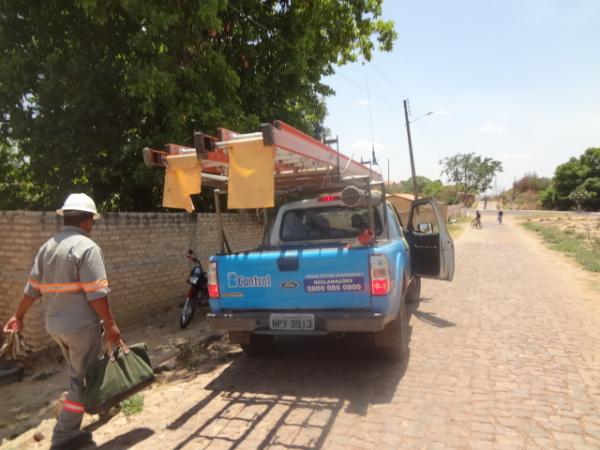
(410, 151)
(388, 174)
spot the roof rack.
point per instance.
(302, 163)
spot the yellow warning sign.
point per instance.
(183, 177)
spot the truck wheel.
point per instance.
(392, 341)
(398, 345)
(259, 344)
(413, 293)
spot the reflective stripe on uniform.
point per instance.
(74, 407)
(72, 287)
(95, 285)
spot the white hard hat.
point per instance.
(79, 202)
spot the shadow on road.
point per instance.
(427, 317)
(302, 385)
(127, 440)
(432, 319)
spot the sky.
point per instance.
(516, 80)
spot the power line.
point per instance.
(392, 87)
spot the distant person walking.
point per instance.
(500, 214)
(477, 221)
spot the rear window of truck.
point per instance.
(332, 222)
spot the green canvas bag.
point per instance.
(108, 382)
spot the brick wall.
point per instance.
(143, 254)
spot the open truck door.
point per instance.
(431, 247)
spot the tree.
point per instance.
(576, 183)
(449, 195)
(85, 85)
(425, 186)
(470, 172)
(532, 182)
(568, 176)
(433, 188)
(16, 186)
(406, 186)
(548, 198)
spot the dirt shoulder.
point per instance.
(587, 281)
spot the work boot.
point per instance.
(81, 440)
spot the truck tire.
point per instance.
(259, 344)
(413, 293)
(392, 341)
(397, 348)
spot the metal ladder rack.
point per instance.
(301, 161)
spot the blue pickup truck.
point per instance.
(335, 263)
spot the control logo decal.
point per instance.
(235, 281)
(289, 284)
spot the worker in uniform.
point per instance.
(68, 271)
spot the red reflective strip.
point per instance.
(73, 407)
(71, 402)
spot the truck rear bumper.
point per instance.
(325, 321)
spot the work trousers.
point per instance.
(80, 348)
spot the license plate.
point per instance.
(193, 280)
(292, 321)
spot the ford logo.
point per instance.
(291, 284)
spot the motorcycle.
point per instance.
(198, 293)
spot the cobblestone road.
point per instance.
(507, 356)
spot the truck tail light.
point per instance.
(329, 198)
(380, 275)
(213, 283)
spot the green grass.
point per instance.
(569, 242)
(133, 405)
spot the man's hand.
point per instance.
(13, 325)
(113, 334)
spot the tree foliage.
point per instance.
(526, 192)
(16, 186)
(576, 184)
(471, 173)
(425, 186)
(532, 182)
(84, 85)
(406, 186)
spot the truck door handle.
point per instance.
(288, 263)
(424, 246)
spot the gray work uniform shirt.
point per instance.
(69, 272)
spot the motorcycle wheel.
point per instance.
(187, 311)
